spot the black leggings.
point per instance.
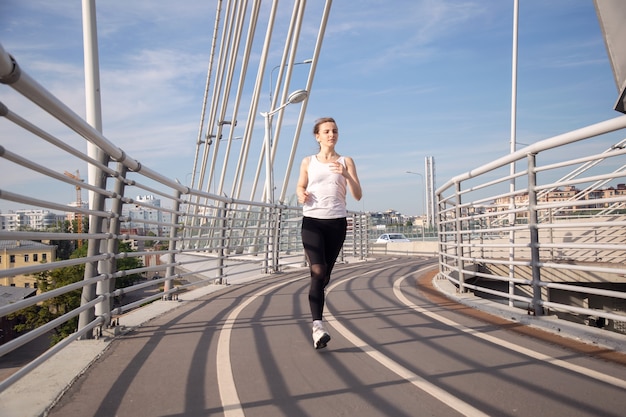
(322, 240)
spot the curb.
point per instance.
(585, 334)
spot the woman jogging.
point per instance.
(322, 191)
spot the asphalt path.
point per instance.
(398, 348)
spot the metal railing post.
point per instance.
(534, 234)
(110, 265)
(221, 215)
(266, 241)
(459, 238)
(276, 220)
(170, 271)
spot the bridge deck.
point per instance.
(398, 348)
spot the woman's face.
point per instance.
(327, 134)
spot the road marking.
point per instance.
(225, 379)
(507, 345)
(438, 393)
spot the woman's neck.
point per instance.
(327, 154)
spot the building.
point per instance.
(564, 195)
(29, 219)
(146, 217)
(20, 253)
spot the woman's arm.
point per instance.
(353, 179)
(303, 181)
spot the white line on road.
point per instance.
(225, 379)
(438, 393)
(491, 339)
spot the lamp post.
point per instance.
(422, 177)
(512, 185)
(306, 61)
(295, 97)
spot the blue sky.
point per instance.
(404, 79)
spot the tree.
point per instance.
(65, 248)
(150, 243)
(125, 264)
(35, 316)
(38, 315)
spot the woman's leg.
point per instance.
(316, 291)
(334, 236)
(313, 242)
(322, 241)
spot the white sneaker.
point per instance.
(320, 336)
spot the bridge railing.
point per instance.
(119, 251)
(543, 228)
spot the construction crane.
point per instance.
(79, 203)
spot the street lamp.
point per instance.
(306, 61)
(422, 177)
(295, 97)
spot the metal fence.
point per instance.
(190, 238)
(553, 245)
(543, 228)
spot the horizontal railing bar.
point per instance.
(30, 301)
(588, 158)
(603, 246)
(586, 132)
(45, 328)
(23, 371)
(7, 195)
(41, 267)
(584, 268)
(56, 142)
(584, 290)
(584, 311)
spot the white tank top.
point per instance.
(327, 199)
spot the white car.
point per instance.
(392, 237)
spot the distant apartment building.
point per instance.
(392, 217)
(146, 217)
(29, 219)
(563, 195)
(20, 253)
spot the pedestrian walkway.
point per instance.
(157, 336)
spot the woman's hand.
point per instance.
(337, 168)
(303, 195)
